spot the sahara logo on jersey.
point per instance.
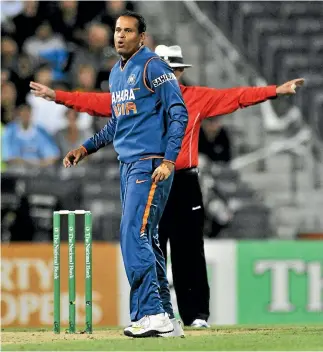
(164, 78)
(123, 95)
(120, 105)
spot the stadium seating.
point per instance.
(279, 41)
(225, 193)
(249, 222)
(284, 40)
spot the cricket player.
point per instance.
(184, 209)
(148, 123)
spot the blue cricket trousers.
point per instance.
(143, 203)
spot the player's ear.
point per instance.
(142, 38)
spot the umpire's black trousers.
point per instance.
(182, 224)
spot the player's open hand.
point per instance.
(39, 90)
(289, 88)
(73, 157)
(163, 171)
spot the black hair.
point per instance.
(141, 21)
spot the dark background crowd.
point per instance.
(66, 45)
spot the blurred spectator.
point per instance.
(20, 76)
(24, 73)
(61, 85)
(89, 10)
(94, 53)
(72, 136)
(8, 101)
(214, 141)
(9, 50)
(46, 114)
(112, 11)
(86, 78)
(3, 164)
(102, 81)
(68, 21)
(5, 76)
(8, 75)
(10, 9)
(47, 46)
(44, 74)
(27, 21)
(26, 143)
(150, 42)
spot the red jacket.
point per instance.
(201, 103)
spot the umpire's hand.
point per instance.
(289, 88)
(42, 91)
(163, 171)
(74, 157)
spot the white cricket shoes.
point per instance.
(200, 323)
(150, 326)
(178, 329)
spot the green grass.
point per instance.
(286, 338)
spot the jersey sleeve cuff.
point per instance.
(171, 156)
(60, 96)
(82, 146)
(170, 161)
(89, 146)
(271, 90)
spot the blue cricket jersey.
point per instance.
(149, 116)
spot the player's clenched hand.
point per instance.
(39, 90)
(73, 157)
(163, 171)
(289, 87)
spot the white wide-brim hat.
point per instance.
(172, 55)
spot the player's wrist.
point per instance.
(52, 94)
(169, 164)
(84, 150)
(279, 91)
(89, 146)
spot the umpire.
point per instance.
(183, 218)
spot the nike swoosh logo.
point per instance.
(195, 208)
(141, 181)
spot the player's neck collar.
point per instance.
(123, 63)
